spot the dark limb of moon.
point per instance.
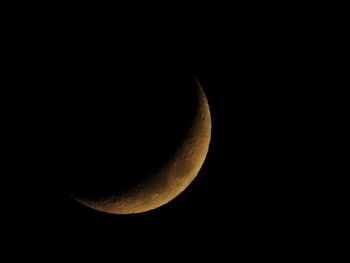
(170, 180)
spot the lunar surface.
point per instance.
(172, 178)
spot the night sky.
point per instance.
(237, 192)
(135, 104)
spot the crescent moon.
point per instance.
(172, 179)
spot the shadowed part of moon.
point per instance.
(170, 180)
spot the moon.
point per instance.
(171, 179)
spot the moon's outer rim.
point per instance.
(173, 178)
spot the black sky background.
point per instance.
(245, 187)
(252, 188)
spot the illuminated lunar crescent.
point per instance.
(170, 180)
